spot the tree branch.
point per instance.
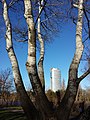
(25, 101)
(40, 12)
(12, 3)
(88, 21)
(26, 40)
(83, 76)
(41, 58)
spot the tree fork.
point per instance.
(26, 103)
(43, 104)
(71, 91)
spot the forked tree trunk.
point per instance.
(26, 103)
(43, 110)
(64, 109)
(42, 102)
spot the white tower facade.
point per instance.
(55, 79)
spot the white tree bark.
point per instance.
(73, 71)
(26, 103)
(41, 59)
(45, 109)
(9, 44)
(31, 59)
(43, 104)
(72, 87)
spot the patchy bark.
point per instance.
(25, 101)
(42, 104)
(43, 109)
(69, 98)
(41, 59)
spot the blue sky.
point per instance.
(58, 54)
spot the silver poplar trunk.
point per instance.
(26, 103)
(43, 104)
(41, 59)
(71, 91)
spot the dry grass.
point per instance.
(12, 115)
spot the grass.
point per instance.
(12, 115)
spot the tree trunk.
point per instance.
(41, 59)
(43, 109)
(85, 115)
(43, 104)
(26, 103)
(64, 109)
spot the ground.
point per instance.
(16, 113)
(12, 114)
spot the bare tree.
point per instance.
(6, 85)
(43, 110)
(25, 101)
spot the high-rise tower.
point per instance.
(55, 79)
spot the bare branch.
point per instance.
(22, 40)
(85, 40)
(75, 5)
(83, 76)
(45, 26)
(88, 21)
(40, 12)
(12, 3)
